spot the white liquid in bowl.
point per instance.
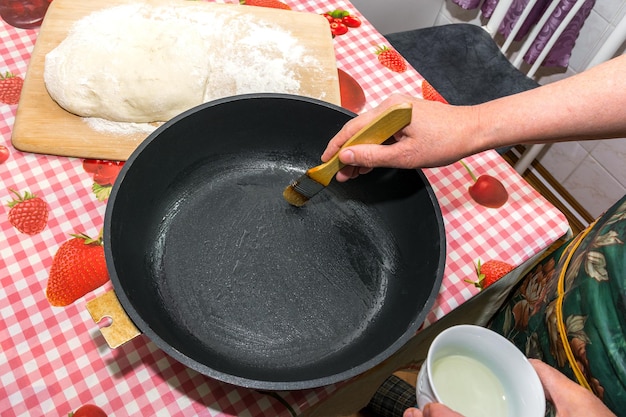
(469, 387)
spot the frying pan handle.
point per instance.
(121, 329)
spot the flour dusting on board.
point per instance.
(120, 128)
(158, 61)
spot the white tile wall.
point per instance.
(398, 15)
(594, 173)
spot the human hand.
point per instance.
(569, 398)
(431, 410)
(438, 134)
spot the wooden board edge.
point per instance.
(120, 147)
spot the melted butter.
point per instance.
(469, 387)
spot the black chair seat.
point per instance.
(462, 62)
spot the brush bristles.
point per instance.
(293, 197)
(301, 190)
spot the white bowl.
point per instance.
(479, 373)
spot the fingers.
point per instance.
(439, 410)
(361, 159)
(567, 396)
(439, 134)
(550, 378)
(412, 412)
(356, 124)
(431, 410)
(346, 132)
(351, 172)
(396, 155)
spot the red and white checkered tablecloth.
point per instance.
(52, 360)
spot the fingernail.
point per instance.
(426, 410)
(411, 412)
(347, 156)
(407, 413)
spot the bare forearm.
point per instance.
(590, 105)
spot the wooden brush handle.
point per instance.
(376, 132)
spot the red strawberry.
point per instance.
(490, 272)
(274, 4)
(78, 268)
(486, 190)
(28, 213)
(429, 93)
(391, 58)
(10, 88)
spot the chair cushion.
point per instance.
(462, 62)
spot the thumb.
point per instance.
(557, 386)
(567, 396)
(439, 410)
(374, 156)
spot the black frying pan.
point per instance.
(220, 272)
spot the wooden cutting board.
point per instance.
(42, 126)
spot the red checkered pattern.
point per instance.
(355, 55)
(52, 360)
(523, 227)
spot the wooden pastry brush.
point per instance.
(376, 132)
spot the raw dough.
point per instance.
(143, 63)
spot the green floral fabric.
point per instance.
(594, 309)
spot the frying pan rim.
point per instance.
(145, 328)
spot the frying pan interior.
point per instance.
(215, 267)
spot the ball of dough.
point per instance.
(143, 63)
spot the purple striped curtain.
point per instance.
(560, 54)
